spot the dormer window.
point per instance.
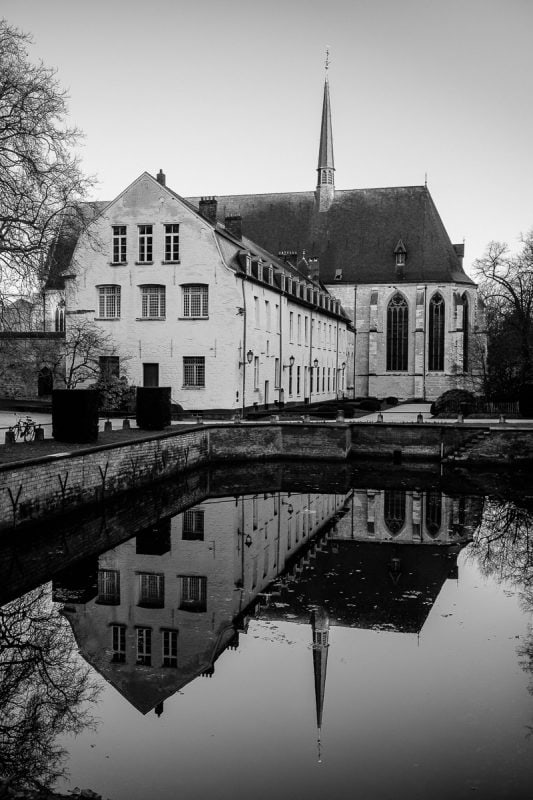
(400, 253)
(338, 274)
(248, 264)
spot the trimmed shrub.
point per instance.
(370, 404)
(391, 401)
(525, 400)
(453, 402)
(153, 407)
(75, 415)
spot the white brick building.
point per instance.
(191, 304)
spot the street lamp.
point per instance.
(290, 364)
(249, 358)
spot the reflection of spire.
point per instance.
(320, 626)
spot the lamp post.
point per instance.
(248, 360)
(288, 366)
(343, 366)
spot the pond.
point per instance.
(333, 634)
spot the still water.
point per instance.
(290, 633)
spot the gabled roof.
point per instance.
(357, 234)
(74, 221)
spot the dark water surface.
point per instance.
(279, 632)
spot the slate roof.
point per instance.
(60, 255)
(357, 235)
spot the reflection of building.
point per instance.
(402, 516)
(170, 600)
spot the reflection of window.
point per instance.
(394, 511)
(109, 302)
(151, 590)
(433, 512)
(193, 525)
(195, 300)
(144, 646)
(170, 648)
(193, 593)
(153, 302)
(397, 333)
(118, 637)
(109, 586)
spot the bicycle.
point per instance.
(24, 429)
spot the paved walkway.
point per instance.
(408, 412)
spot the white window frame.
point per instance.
(172, 243)
(109, 301)
(195, 300)
(119, 244)
(194, 372)
(169, 648)
(146, 244)
(153, 301)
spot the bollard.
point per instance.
(340, 416)
(274, 418)
(460, 418)
(9, 437)
(419, 418)
(39, 433)
(379, 417)
(501, 420)
(126, 424)
(236, 418)
(108, 425)
(306, 418)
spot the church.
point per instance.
(386, 255)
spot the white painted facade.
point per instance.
(188, 305)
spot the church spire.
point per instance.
(320, 627)
(325, 189)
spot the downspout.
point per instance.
(310, 375)
(280, 376)
(425, 340)
(244, 359)
(337, 364)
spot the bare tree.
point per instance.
(44, 690)
(40, 177)
(506, 284)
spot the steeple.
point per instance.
(320, 627)
(325, 189)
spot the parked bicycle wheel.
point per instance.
(29, 432)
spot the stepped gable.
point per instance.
(357, 234)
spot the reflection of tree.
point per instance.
(44, 690)
(503, 547)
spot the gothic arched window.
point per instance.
(433, 512)
(397, 334)
(436, 333)
(394, 510)
(60, 317)
(466, 325)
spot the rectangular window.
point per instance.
(193, 525)
(265, 562)
(329, 379)
(170, 648)
(278, 318)
(323, 379)
(145, 243)
(109, 367)
(290, 381)
(267, 315)
(108, 587)
(151, 590)
(255, 513)
(298, 380)
(172, 242)
(193, 593)
(277, 374)
(195, 301)
(291, 326)
(153, 302)
(256, 372)
(144, 646)
(119, 244)
(256, 312)
(109, 302)
(299, 329)
(194, 371)
(306, 330)
(118, 643)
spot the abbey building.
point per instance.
(385, 254)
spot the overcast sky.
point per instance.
(225, 96)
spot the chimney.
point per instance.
(234, 226)
(208, 208)
(314, 269)
(161, 178)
